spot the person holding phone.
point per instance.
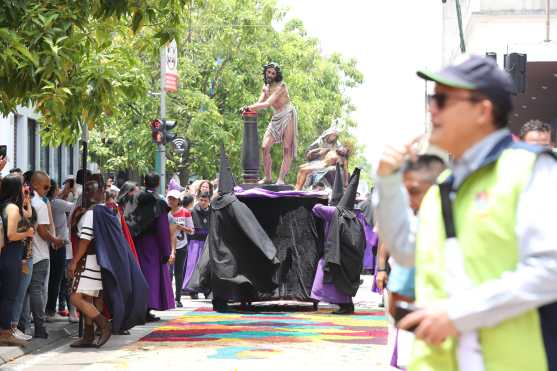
(485, 251)
(3, 156)
(11, 211)
(417, 176)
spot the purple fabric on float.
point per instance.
(320, 290)
(260, 193)
(195, 249)
(151, 248)
(371, 241)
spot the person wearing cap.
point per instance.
(485, 252)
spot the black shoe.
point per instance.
(121, 332)
(194, 296)
(179, 304)
(152, 318)
(40, 333)
(220, 305)
(345, 309)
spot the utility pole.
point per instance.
(169, 83)
(160, 156)
(547, 21)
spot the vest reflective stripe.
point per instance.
(485, 218)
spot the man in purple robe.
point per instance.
(326, 286)
(148, 222)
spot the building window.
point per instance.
(31, 144)
(45, 159)
(70, 167)
(59, 164)
(16, 120)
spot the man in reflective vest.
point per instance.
(486, 246)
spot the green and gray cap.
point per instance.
(477, 73)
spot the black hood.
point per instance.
(349, 198)
(226, 180)
(338, 186)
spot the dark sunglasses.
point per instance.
(441, 99)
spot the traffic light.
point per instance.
(168, 135)
(161, 131)
(157, 131)
(515, 65)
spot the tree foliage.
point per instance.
(58, 56)
(222, 47)
(96, 61)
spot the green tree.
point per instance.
(223, 46)
(58, 56)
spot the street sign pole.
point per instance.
(160, 161)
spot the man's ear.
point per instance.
(486, 115)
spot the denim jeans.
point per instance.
(64, 295)
(21, 293)
(177, 270)
(37, 291)
(10, 275)
(57, 268)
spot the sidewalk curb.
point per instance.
(62, 331)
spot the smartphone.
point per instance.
(402, 309)
(3, 151)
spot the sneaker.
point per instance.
(8, 338)
(21, 335)
(179, 304)
(64, 313)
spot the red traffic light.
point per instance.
(156, 131)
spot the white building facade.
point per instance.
(510, 26)
(20, 132)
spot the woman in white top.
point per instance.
(86, 272)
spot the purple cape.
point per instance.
(371, 242)
(326, 292)
(153, 250)
(195, 250)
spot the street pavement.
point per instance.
(278, 336)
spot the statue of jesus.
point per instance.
(283, 127)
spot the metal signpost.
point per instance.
(169, 83)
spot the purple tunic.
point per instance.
(371, 242)
(321, 291)
(195, 250)
(151, 248)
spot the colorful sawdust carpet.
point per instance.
(241, 335)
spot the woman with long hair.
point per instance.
(86, 272)
(12, 213)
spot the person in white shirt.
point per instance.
(41, 255)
